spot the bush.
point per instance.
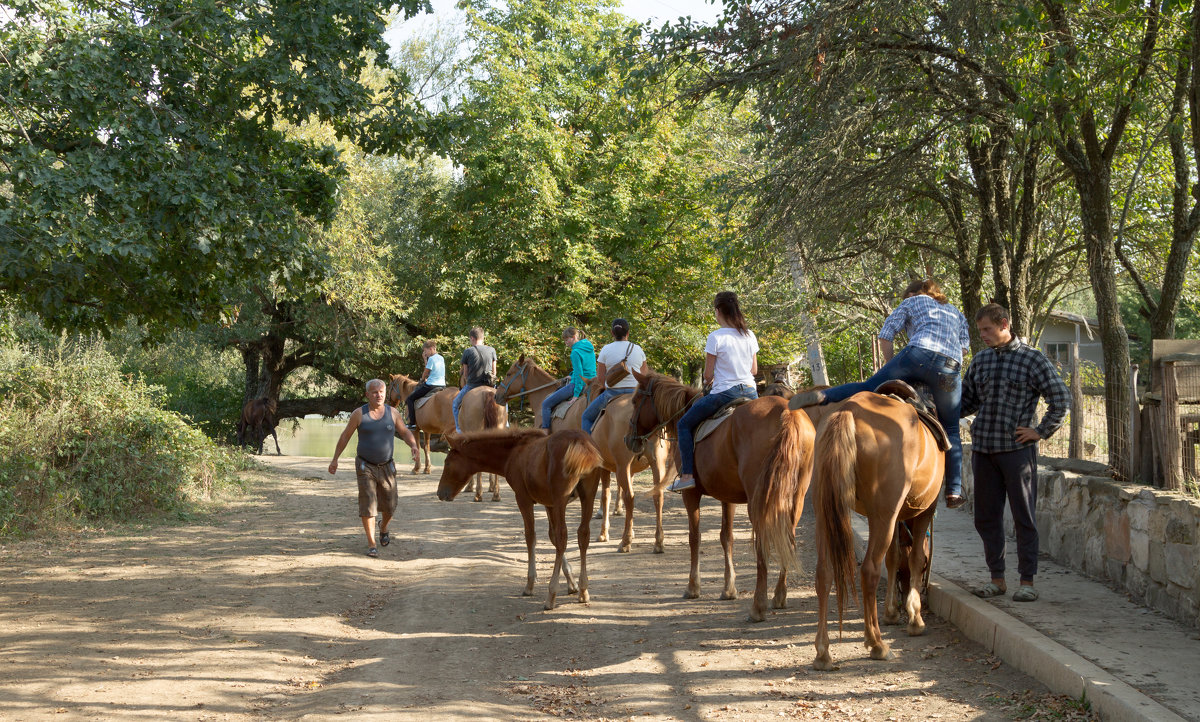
(79, 441)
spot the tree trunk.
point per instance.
(808, 324)
(1095, 200)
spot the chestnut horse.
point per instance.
(761, 456)
(258, 419)
(541, 468)
(525, 379)
(435, 417)
(874, 456)
(477, 412)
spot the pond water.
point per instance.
(317, 436)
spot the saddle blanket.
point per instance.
(560, 410)
(425, 399)
(710, 424)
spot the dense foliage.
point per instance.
(81, 441)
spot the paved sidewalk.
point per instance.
(1080, 637)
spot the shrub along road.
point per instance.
(266, 607)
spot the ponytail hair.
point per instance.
(926, 287)
(727, 303)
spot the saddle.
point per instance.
(719, 417)
(902, 391)
(561, 408)
(424, 399)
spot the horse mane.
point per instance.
(491, 411)
(670, 395)
(482, 442)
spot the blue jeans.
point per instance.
(942, 375)
(593, 410)
(458, 402)
(554, 399)
(701, 409)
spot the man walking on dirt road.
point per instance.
(377, 425)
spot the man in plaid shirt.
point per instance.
(1003, 384)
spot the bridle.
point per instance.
(636, 442)
(523, 375)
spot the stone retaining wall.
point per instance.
(1143, 540)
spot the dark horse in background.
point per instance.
(257, 423)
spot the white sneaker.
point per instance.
(680, 484)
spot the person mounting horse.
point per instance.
(433, 379)
(730, 364)
(478, 369)
(937, 339)
(583, 370)
(760, 455)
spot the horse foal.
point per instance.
(541, 468)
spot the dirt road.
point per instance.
(267, 608)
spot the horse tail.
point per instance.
(777, 515)
(491, 411)
(581, 456)
(833, 498)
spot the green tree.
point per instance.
(143, 168)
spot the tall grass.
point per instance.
(81, 442)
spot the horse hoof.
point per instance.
(624, 549)
(602, 538)
(891, 619)
(584, 597)
(478, 498)
(548, 606)
(526, 592)
(689, 594)
(416, 471)
(880, 652)
(916, 630)
(779, 604)
(572, 590)
(824, 664)
(754, 618)
(727, 595)
(658, 548)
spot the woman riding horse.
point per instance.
(583, 368)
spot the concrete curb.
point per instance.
(1035, 654)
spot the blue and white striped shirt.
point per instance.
(937, 327)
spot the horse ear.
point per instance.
(453, 438)
(522, 359)
(639, 375)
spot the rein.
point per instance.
(636, 442)
(524, 376)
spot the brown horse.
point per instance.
(258, 420)
(525, 379)
(435, 417)
(761, 456)
(874, 456)
(541, 468)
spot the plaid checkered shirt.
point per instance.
(937, 327)
(1003, 385)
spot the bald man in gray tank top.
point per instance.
(377, 425)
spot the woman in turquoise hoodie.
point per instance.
(583, 367)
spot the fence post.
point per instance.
(1135, 417)
(1172, 444)
(1075, 445)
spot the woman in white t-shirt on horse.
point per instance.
(621, 349)
(730, 363)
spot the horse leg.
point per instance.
(730, 590)
(603, 513)
(556, 515)
(495, 488)
(425, 448)
(276, 437)
(479, 486)
(658, 527)
(779, 601)
(822, 661)
(587, 499)
(526, 507)
(691, 502)
(627, 497)
(417, 456)
(891, 599)
(878, 541)
(916, 562)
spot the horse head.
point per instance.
(644, 420)
(515, 380)
(398, 388)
